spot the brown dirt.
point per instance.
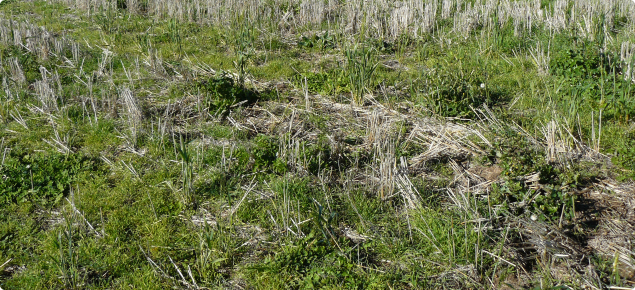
(490, 173)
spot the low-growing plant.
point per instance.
(454, 89)
(320, 156)
(40, 178)
(583, 62)
(7, 2)
(315, 82)
(310, 263)
(386, 47)
(624, 154)
(187, 173)
(106, 20)
(593, 81)
(553, 198)
(67, 260)
(243, 49)
(361, 65)
(221, 93)
(322, 42)
(329, 82)
(216, 248)
(174, 32)
(265, 154)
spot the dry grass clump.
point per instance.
(562, 147)
(15, 70)
(45, 92)
(132, 114)
(41, 44)
(541, 59)
(381, 143)
(375, 129)
(37, 40)
(627, 57)
(447, 140)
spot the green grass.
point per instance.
(247, 158)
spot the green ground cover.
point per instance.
(261, 149)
